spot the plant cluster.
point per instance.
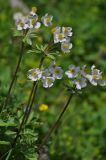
(28, 27)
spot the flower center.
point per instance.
(47, 20)
(65, 45)
(66, 30)
(57, 71)
(34, 74)
(94, 77)
(60, 36)
(21, 24)
(72, 71)
(33, 21)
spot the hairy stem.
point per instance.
(24, 117)
(28, 107)
(34, 92)
(30, 103)
(27, 111)
(14, 77)
(55, 125)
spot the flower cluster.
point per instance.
(62, 35)
(80, 76)
(46, 75)
(30, 20)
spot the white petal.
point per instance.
(19, 28)
(101, 82)
(37, 25)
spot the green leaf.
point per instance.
(18, 33)
(32, 156)
(6, 124)
(31, 51)
(51, 56)
(10, 132)
(4, 142)
(27, 40)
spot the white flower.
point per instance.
(22, 26)
(22, 21)
(73, 71)
(48, 82)
(66, 46)
(57, 73)
(33, 11)
(67, 31)
(56, 29)
(18, 16)
(84, 72)
(33, 18)
(80, 83)
(34, 74)
(34, 23)
(52, 66)
(26, 26)
(45, 73)
(47, 20)
(95, 77)
(59, 37)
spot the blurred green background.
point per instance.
(82, 135)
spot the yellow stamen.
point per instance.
(65, 29)
(57, 71)
(33, 21)
(60, 35)
(94, 77)
(21, 24)
(65, 45)
(72, 71)
(47, 20)
(34, 74)
(34, 9)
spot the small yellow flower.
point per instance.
(43, 107)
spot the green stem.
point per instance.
(24, 117)
(33, 98)
(54, 127)
(7, 153)
(28, 108)
(8, 156)
(34, 92)
(21, 125)
(14, 77)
